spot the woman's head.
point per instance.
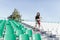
(38, 13)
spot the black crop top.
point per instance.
(37, 17)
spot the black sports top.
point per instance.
(37, 17)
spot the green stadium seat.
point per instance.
(9, 29)
(24, 37)
(20, 26)
(15, 27)
(19, 32)
(15, 23)
(36, 36)
(2, 28)
(29, 32)
(10, 37)
(1, 21)
(0, 33)
(9, 34)
(24, 29)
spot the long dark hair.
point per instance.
(38, 14)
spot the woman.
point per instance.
(37, 19)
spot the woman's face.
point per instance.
(38, 13)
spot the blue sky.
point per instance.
(49, 9)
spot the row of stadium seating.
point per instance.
(2, 24)
(15, 29)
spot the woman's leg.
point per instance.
(36, 24)
(39, 23)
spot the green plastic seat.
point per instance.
(9, 37)
(24, 37)
(19, 32)
(9, 29)
(1, 33)
(29, 32)
(36, 36)
(2, 28)
(24, 29)
(1, 21)
(19, 23)
(15, 27)
(15, 23)
(9, 34)
(20, 26)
